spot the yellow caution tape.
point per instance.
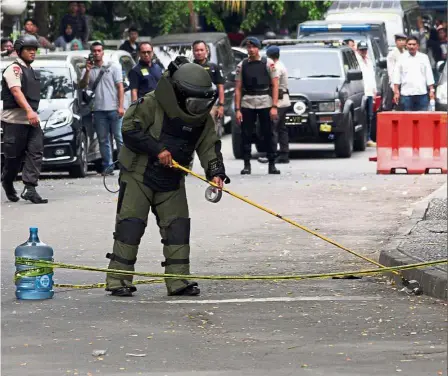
(39, 264)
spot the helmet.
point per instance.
(194, 88)
(25, 41)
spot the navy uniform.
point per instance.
(23, 142)
(144, 77)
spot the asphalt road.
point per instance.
(320, 327)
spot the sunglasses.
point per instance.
(146, 52)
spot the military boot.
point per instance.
(10, 192)
(29, 193)
(246, 170)
(282, 158)
(191, 289)
(272, 169)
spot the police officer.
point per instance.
(169, 123)
(144, 77)
(256, 95)
(281, 131)
(200, 53)
(23, 136)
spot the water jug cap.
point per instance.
(33, 229)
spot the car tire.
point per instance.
(237, 141)
(81, 167)
(361, 139)
(343, 145)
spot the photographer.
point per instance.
(106, 81)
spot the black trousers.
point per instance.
(266, 129)
(281, 131)
(22, 143)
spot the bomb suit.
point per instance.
(172, 121)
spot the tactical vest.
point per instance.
(180, 138)
(255, 77)
(30, 82)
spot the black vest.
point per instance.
(180, 139)
(30, 81)
(255, 77)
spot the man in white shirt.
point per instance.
(413, 78)
(392, 58)
(368, 76)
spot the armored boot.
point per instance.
(282, 158)
(29, 193)
(247, 169)
(272, 169)
(10, 192)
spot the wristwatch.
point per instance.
(220, 104)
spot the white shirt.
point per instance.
(282, 84)
(413, 73)
(392, 59)
(368, 75)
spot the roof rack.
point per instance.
(323, 42)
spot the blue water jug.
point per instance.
(34, 287)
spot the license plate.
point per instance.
(325, 127)
(294, 120)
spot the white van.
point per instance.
(398, 16)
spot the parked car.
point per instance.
(441, 91)
(239, 53)
(358, 34)
(375, 28)
(327, 99)
(70, 142)
(168, 47)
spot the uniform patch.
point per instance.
(144, 72)
(17, 70)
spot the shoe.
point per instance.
(371, 144)
(11, 193)
(263, 160)
(282, 159)
(191, 289)
(246, 170)
(272, 169)
(29, 193)
(123, 291)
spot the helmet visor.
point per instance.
(199, 106)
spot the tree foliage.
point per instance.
(111, 18)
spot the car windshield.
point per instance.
(302, 64)
(55, 83)
(168, 53)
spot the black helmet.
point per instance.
(25, 41)
(194, 88)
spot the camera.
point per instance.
(90, 59)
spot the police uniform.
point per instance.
(159, 121)
(22, 141)
(256, 101)
(144, 78)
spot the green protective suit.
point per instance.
(152, 124)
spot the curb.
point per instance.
(433, 280)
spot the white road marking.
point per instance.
(256, 300)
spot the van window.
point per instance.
(376, 50)
(225, 58)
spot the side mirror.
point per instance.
(382, 63)
(354, 75)
(440, 65)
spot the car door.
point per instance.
(355, 89)
(127, 63)
(226, 62)
(85, 112)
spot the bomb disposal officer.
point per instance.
(256, 95)
(144, 77)
(23, 136)
(200, 53)
(172, 122)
